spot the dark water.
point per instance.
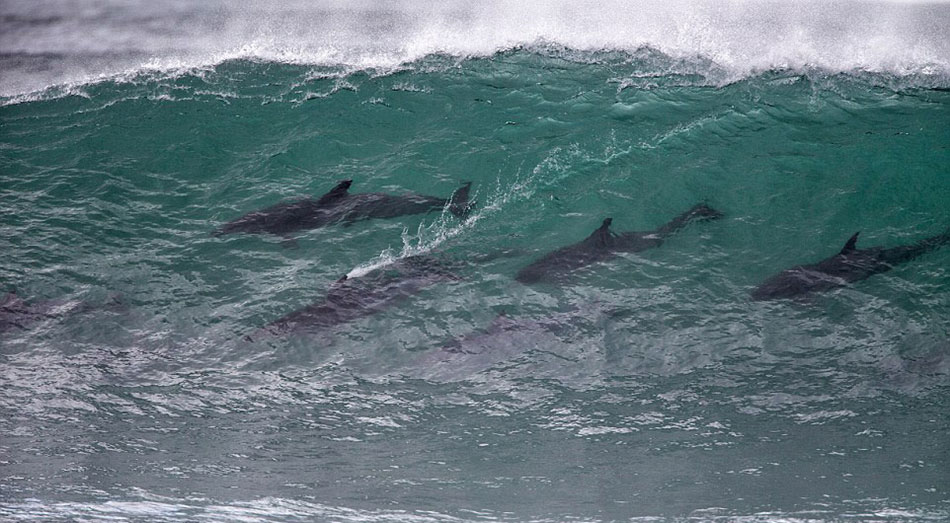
(646, 385)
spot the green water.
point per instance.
(665, 392)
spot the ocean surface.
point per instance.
(135, 384)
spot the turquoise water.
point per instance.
(648, 386)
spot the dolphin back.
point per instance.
(280, 218)
(849, 265)
(906, 253)
(558, 265)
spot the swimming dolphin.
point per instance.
(849, 265)
(17, 313)
(547, 342)
(338, 205)
(603, 244)
(350, 299)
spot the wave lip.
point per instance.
(742, 37)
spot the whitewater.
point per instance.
(50, 43)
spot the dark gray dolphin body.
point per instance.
(603, 244)
(338, 205)
(352, 299)
(504, 339)
(17, 313)
(287, 217)
(552, 341)
(849, 265)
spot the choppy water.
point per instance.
(649, 386)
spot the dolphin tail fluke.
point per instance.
(699, 211)
(934, 242)
(459, 205)
(898, 255)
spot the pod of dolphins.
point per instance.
(350, 299)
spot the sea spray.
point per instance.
(743, 38)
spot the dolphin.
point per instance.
(545, 342)
(849, 265)
(505, 339)
(603, 244)
(338, 205)
(17, 313)
(365, 206)
(350, 299)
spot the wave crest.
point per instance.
(742, 38)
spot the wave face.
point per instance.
(141, 385)
(49, 43)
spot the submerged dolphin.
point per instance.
(352, 299)
(849, 265)
(17, 313)
(338, 205)
(603, 244)
(546, 344)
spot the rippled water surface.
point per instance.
(137, 383)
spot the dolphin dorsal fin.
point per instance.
(336, 192)
(602, 234)
(850, 246)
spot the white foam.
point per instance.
(743, 37)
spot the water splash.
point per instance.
(431, 236)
